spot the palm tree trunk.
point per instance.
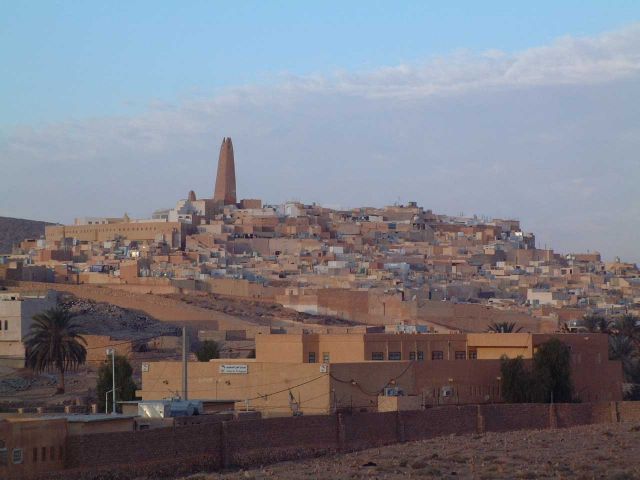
(60, 388)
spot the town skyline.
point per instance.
(492, 133)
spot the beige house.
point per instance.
(16, 315)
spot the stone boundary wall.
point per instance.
(182, 450)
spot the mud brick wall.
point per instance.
(246, 443)
(370, 430)
(507, 417)
(629, 411)
(571, 415)
(123, 448)
(434, 422)
(255, 442)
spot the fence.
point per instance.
(244, 443)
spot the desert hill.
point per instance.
(14, 230)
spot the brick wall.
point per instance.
(434, 422)
(507, 417)
(571, 415)
(256, 442)
(369, 430)
(629, 411)
(123, 448)
(245, 443)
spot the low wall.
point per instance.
(264, 441)
(628, 411)
(508, 417)
(168, 452)
(439, 421)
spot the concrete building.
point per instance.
(324, 373)
(16, 316)
(173, 233)
(31, 446)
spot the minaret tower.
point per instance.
(225, 190)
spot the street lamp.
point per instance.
(106, 401)
(112, 352)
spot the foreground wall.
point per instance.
(167, 452)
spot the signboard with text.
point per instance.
(234, 369)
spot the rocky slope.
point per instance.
(14, 230)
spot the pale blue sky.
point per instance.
(508, 109)
(70, 60)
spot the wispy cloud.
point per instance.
(569, 60)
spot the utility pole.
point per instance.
(184, 364)
(112, 352)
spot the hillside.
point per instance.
(14, 230)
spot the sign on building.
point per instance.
(234, 369)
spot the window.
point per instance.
(412, 355)
(312, 357)
(377, 356)
(420, 356)
(44, 454)
(17, 455)
(60, 452)
(52, 453)
(437, 355)
(325, 357)
(461, 355)
(473, 354)
(6, 324)
(35, 454)
(395, 356)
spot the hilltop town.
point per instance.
(375, 266)
(377, 325)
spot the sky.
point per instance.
(512, 109)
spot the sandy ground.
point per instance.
(23, 388)
(588, 452)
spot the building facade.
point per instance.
(16, 316)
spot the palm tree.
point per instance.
(503, 327)
(629, 326)
(53, 341)
(597, 323)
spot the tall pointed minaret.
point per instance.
(225, 191)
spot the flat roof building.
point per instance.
(16, 316)
(325, 373)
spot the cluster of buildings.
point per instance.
(406, 274)
(372, 265)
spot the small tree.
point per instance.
(551, 373)
(629, 326)
(208, 350)
(516, 380)
(125, 386)
(548, 380)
